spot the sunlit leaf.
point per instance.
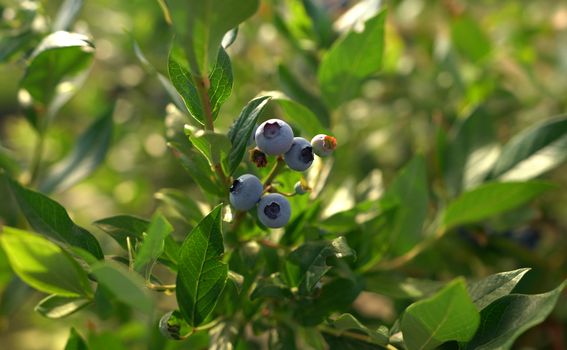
(44, 265)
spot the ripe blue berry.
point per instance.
(274, 137)
(245, 192)
(274, 210)
(300, 155)
(323, 145)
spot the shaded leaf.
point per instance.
(489, 200)
(448, 315)
(469, 38)
(181, 203)
(312, 259)
(347, 322)
(49, 218)
(295, 90)
(121, 227)
(398, 287)
(54, 72)
(471, 152)
(126, 287)
(533, 151)
(173, 326)
(486, 290)
(213, 146)
(85, 157)
(201, 26)
(336, 295)
(241, 130)
(75, 341)
(55, 306)
(507, 318)
(271, 287)
(298, 114)
(68, 12)
(408, 194)
(153, 244)
(44, 265)
(202, 275)
(352, 59)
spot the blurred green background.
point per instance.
(442, 58)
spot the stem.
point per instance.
(36, 158)
(352, 335)
(274, 172)
(410, 255)
(202, 83)
(167, 288)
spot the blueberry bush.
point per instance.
(283, 174)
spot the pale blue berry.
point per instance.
(274, 210)
(323, 145)
(274, 137)
(300, 155)
(299, 189)
(245, 192)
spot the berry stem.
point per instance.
(274, 172)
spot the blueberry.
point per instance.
(245, 192)
(274, 137)
(323, 145)
(274, 210)
(300, 155)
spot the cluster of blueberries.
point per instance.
(275, 137)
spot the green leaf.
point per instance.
(173, 326)
(471, 152)
(352, 59)
(321, 22)
(486, 290)
(507, 318)
(55, 306)
(448, 315)
(215, 147)
(153, 244)
(126, 287)
(271, 287)
(181, 203)
(398, 287)
(311, 257)
(469, 38)
(295, 90)
(85, 157)
(201, 26)
(183, 83)
(489, 200)
(49, 218)
(121, 227)
(409, 193)
(347, 322)
(297, 114)
(221, 82)
(68, 12)
(198, 168)
(44, 265)
(165, 82)
(202, 274)
(336, 295)
(75, 341)
(241, 130)
(55, 71)
(533, 152)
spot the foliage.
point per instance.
(418, 233)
